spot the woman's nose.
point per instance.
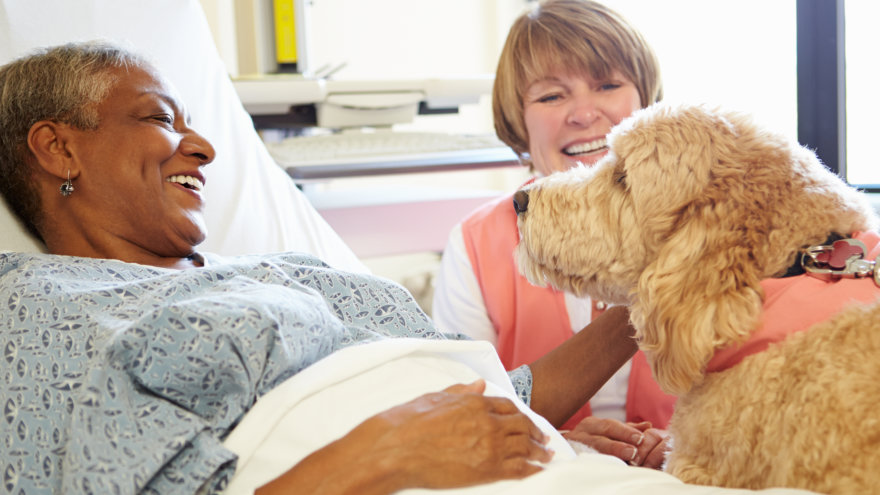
(194, 144)
(520, 202)
(583, 111)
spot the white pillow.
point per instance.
(253, 206)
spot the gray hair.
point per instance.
(62, 84)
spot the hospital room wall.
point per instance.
(408, 38)
(390, 38)
(401, 39)
(405, 38)
(369, 39)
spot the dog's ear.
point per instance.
(696, 297)
(699, 290)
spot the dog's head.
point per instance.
(689, 211)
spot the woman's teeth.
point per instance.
(187, 181)
(590, 147)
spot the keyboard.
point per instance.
(348, 154)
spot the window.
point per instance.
(740, 55)
(862, 103)
(837, 111)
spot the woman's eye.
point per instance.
(548, 98)
(165, 119)
(609, 86)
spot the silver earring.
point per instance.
(67, 186)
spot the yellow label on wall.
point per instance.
(285, 31)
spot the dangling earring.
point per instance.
(67, 186)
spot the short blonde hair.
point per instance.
(582, 36)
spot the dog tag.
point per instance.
(841, 253)
(844, 258)
(876, 271)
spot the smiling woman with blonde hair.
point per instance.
(568, 36)
(569, 71)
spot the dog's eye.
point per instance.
(620, 177)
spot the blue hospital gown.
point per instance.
(125, 378)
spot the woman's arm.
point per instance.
(566, 377)
(570, 374)
(453, 438)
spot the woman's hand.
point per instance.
(636, 443)
(453, 438)
(459, 437)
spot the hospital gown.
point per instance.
(125, 378)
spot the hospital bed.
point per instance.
(253, 206)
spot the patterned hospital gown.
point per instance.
(124, 378)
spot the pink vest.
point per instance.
(793, 304)
(530, 321)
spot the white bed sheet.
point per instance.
(331, 397)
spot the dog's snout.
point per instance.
(520, 201)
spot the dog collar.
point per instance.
(797, 267)
(843, 258)
(789, 303)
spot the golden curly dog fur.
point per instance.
(689, 212)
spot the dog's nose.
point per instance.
(520, 202)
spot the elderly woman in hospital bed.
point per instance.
(133, 363)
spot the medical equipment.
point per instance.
(359, 153)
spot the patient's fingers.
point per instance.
(519, 446)
(524, 438)
(500, 406)
(476, 387)
(508, 420)
(458, 437)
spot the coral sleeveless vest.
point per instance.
(517, 308)
(790, 306)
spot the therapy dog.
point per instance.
(748, 268)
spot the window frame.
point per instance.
(821, 80)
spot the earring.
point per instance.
(67, 186)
